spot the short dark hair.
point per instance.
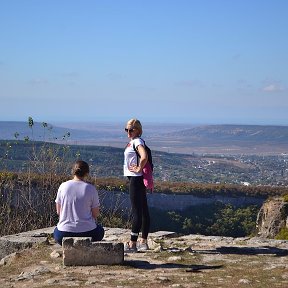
(80, 168)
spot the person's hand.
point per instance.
(134, 168)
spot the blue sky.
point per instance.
(192, 61)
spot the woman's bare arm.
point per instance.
(58, 208)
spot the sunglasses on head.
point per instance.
(130, 130)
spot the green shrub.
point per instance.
(283, 234)
(207, 219)
(285, 198)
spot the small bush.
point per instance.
(285, 198)
(283, 234)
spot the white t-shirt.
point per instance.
(77, 198)
(130, 157)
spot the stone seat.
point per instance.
(81, 251)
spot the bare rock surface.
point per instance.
(172, 261)
(16, 242)
(272, 216)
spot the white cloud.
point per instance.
(273, 88)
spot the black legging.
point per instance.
(140, 212)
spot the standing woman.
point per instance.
(77, 204)
(133, 170)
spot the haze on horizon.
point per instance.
(187, 61)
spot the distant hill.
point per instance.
(235, 133)
(49, 133)
(216, 139)
(225, 139)
(8, 130)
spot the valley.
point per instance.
(233, 154)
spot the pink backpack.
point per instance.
(148, 168)
(148, 176)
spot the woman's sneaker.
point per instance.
(142, 246)
(128, 249)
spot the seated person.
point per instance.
(77, 204)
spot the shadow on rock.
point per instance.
(265, 250)
(150, 266)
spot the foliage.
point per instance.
(235, 223)
(285, 198)
(208, 219)
(28, 185)
(106, 162)
(22, 206)
(27, 201)
(283, 234)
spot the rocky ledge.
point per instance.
(32, 259)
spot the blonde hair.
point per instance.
(135, 123)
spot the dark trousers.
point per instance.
(140, 211)
(97, 234)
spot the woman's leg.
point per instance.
(135, 198)
(145, 217)
(140, 213)
(58, 235)
(98, 233)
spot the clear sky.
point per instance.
(193, 61)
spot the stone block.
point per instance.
(81, 251)
(17, 242)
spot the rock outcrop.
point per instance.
(172, 261)
(13, 243)
(272, 216)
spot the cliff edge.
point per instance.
(272, 217)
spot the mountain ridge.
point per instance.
(237, 132)
(190, 139)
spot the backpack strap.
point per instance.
(136, 151)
